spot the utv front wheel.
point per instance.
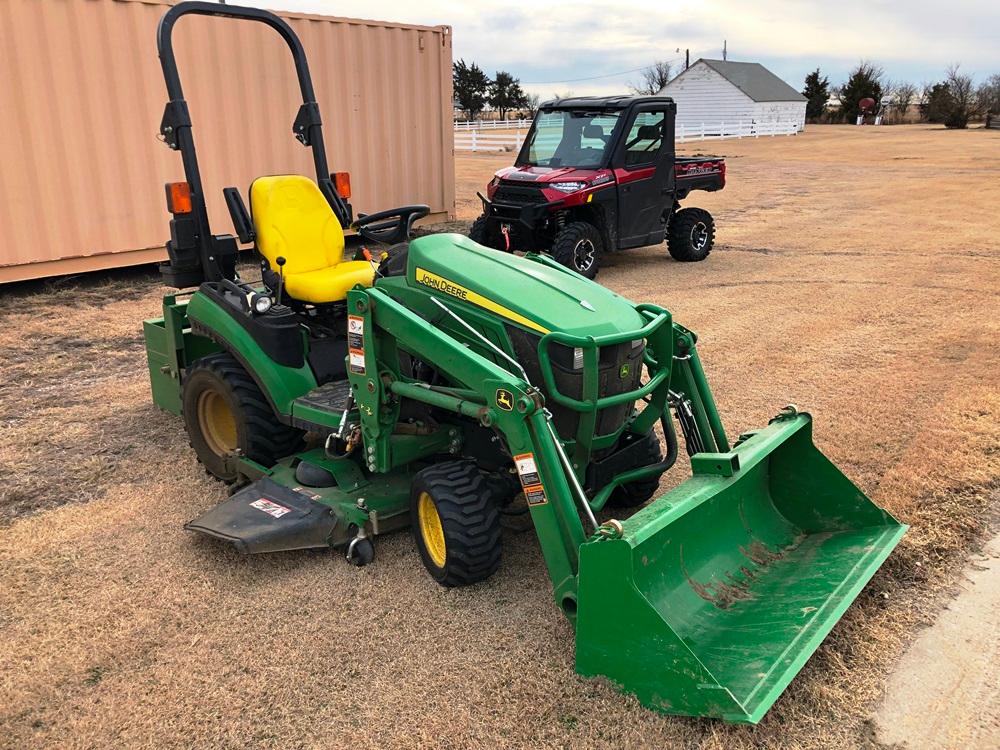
(578, 246)
(482, 234)
(691, 235)
(224, 410)
(455, 519)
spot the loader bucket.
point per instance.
(717, 593)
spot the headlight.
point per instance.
(578, 359)
(568, 187)
(261, 304)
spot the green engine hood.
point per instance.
(524, 291)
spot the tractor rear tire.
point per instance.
(482, 234)
(634, 494)
(578, 246)
(691, 235)
(225, 410)
(455, 517)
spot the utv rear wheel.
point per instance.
(691, 235)
(455, 519)
(636, 493)
(225, 410)
(578, 246)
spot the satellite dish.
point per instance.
(867, 104)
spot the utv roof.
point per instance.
(600, 102)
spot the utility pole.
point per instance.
(724, 50)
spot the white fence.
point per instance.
(472, 140)
(462, 126)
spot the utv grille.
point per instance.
(521, 195)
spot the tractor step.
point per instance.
(267, 517)
(320, 409)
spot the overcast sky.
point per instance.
(550, 44)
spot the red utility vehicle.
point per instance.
(597, 174)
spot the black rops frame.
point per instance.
(216, 255)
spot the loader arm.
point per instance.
(378, 385)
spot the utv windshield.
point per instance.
(569, 138)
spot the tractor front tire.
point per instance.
(455, 517)
(635, 493)
(691, 235)
(482, 234)
(225, 410)
(578, 246)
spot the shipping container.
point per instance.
(81, 96)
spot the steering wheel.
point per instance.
(391, 226)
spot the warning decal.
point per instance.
(527, 470)
(535, 495)
(357, 362)
(269, 507)
(355, 332)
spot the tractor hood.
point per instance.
(530, 294)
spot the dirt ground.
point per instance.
(856, 275)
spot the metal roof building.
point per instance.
(719, 91)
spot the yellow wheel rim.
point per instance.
(431, 530)
(217, 423)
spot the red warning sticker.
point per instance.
(269, 507)
(355, 332)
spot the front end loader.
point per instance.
(446, 383)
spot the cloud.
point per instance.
(571, 39)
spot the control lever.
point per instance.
(280, 260)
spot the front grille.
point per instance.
(612, 380)
(520, 195)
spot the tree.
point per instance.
(903, 95)
(865, 82)
(506, 93)
(471, 88)
(817, 92)
(965, 103)
(938, 102)
(531, 102)
(654, 78)
(989, 95)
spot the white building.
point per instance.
(711, 92)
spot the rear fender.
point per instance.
(280, 384)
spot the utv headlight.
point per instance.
(578, 358)
(568, 187)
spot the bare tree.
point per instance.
(988, 95)
(903, 95)
(532, 103)
(654, 78)
(965, 104)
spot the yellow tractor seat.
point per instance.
(293, 220)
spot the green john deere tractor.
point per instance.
(439, 384)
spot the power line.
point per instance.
(592, 78)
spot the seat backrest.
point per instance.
(293, 219)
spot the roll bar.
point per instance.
(175, 127)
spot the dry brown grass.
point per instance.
(856, 275)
